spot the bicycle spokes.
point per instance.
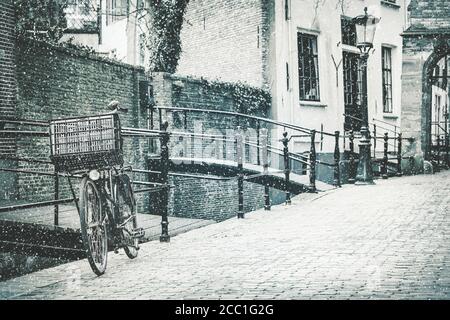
(95, 223)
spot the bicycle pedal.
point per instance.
(138, 233)
(116, 250)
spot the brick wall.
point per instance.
(226, 40)
(7, 65)
(430, 14)
(204, 198)
(55, 82)
(7, 90)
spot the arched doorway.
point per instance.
(435, 105)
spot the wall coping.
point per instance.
(411, 32)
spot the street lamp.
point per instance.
(365, 32)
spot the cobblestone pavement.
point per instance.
(385, 241)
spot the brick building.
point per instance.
(426, 45)
(304, 52)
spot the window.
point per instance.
(387, 79)
(308, 67)
(116, 10)
(348, 30)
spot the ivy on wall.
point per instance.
(163, 39)
(40, 19)
(247, 99)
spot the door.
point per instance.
(352, 91)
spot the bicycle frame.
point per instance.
(108, 185)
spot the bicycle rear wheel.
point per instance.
(126, 204)
(93, 226)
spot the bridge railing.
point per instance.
(388, 148)
(299, 160)
(30, 129)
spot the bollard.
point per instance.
(164, 180)
(384, 163)
(399, 155)
(285, 142)
(351, 163)
(337, 157)
(240, 164)
(312, 163)
(56, 209)
(265, 163)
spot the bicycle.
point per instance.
(92, 146)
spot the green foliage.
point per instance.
(41, 19)
(166, 21)
(247, 99)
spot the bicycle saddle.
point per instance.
(115, 106)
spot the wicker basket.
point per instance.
(86, 143)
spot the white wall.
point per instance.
(325, 22)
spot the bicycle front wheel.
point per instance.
(93, 226)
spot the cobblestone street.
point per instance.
(391, 240)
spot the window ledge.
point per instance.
(312, 104)
(390, 4)
(390, 116)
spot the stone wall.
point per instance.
(424, 44)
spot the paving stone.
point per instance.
(388, 241)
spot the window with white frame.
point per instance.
(308, 67)
(386, 58)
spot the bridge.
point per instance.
(274, 154)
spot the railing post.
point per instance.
(351, 163)
(374, 141)
(287, 170)
(321, 137)
(160, 118)
(265, 163)
(384, 164)
(399, 155)
(56, 208)
(258, 138)
(150, 124)
(185, 138)
(239, 159)
(447, 159)
(438, 152)
(164, 178)
(312, 163)
(337, 157)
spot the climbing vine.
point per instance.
(165, 20)
(247, 99)
(40, 19)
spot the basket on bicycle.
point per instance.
(85, 143)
